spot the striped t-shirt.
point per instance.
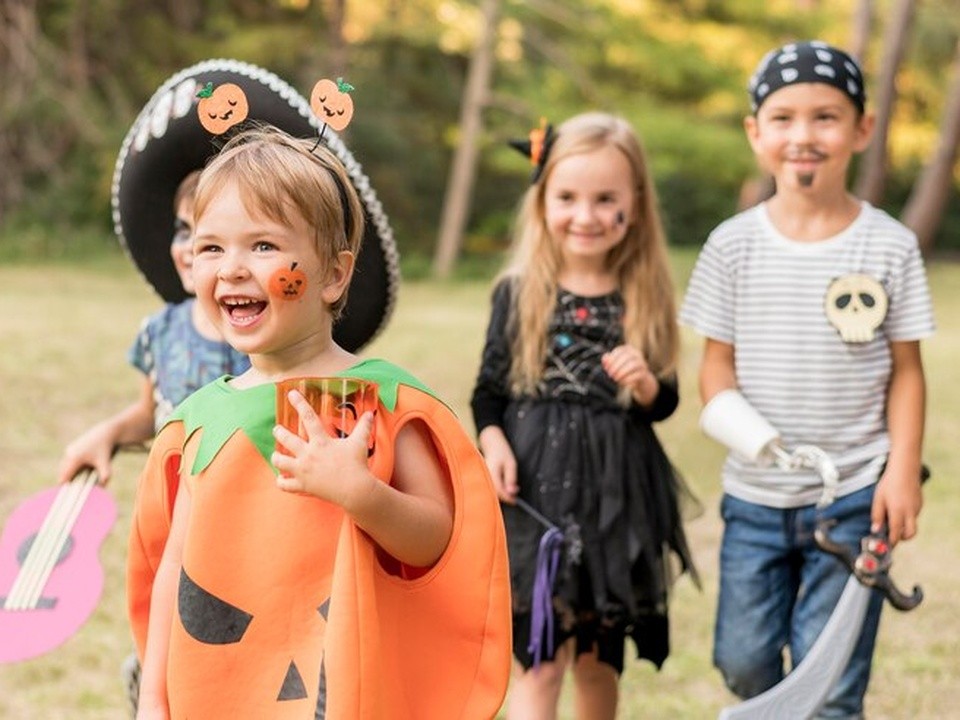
(764, 294)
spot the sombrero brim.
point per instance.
(167, 141)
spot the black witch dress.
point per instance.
(594, 469)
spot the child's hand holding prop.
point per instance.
(730, 419)
(50, 575)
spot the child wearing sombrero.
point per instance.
(178, 350)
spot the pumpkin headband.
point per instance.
(537, 147)
(166, 142)
(224, 109)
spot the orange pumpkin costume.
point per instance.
(286, 606)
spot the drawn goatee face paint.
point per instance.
(805, 179)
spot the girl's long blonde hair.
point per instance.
(640, 261)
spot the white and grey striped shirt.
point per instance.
(764, 294)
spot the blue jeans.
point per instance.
(777, 591)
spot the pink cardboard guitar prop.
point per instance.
(50, 574)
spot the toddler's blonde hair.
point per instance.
(277, 174)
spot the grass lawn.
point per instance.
(65, 333)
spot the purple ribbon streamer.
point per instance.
(541, 615)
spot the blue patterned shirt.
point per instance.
(178, 359)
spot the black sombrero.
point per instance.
(167, 141)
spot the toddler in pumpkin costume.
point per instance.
(313, 582)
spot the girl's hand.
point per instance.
(501, 463)
(627, 367)
(334, 469)
(896, 503)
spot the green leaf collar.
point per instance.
(221, 410)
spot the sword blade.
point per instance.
(801, 694)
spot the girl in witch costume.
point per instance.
(579, 361)
(311, 582)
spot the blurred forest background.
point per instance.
(441, 85)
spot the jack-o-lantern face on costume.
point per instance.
(213, 621)
(332, 103)
(288, 283)
(229, 620)
(221, 108)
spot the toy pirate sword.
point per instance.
(802, 693)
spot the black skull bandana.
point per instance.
(806, 62)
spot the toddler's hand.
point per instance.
(333, 469)
(627, 367)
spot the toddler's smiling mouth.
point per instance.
(242, 310)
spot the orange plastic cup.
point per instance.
(339, 403)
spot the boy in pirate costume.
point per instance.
(813, 305)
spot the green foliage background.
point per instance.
(675, 68)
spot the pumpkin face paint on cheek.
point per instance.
(288, 283)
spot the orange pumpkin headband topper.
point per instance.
(333, 106)
(221, 108)
(537, 147)
(331, 102)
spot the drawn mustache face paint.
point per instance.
(806, 178)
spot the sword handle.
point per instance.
(871, 566)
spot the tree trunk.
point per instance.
(184, 14)
(78, 58)
(924, 209)
(873, 169)
(860, 37)
(456, 204)
(337, 56)
(18, 73)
